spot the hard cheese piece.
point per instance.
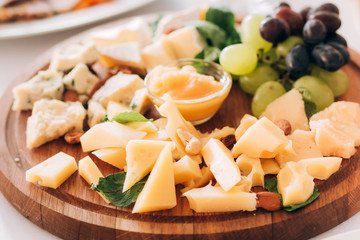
(159, 190)
(262, 140)
(141, 101)
(186, 42)
(215, 199)
(96, 113)
(108, 134)
(52, 119)
(217, 134)
(157, 53)
(322, 167)
(141, 156)
(147, 127)
(46, 84)
(114, 156)
(252, 169)
(186, 169)
(53, 171)
(270, 166)
(80, 79)
(221, 163)
(114, 108)
(290, 107)
(66, 59)
(119, 88)
(303, 143)
(245, 122)
(126, 53)
(294, 184)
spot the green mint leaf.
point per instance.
(271, 186)
(310, 106)
(213, 34)
(111, 187)
(155, 24)
(106, 119)
(209, 53)
(126, 117)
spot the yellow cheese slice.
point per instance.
(53, 171)
(215, 199)
(113, 156)
(216, 133)
(108, 134)
(252, 169)
(114, 108)
(141, 156)
(186, 170)
(147, 127)
(221, 163)
(246, 121)
(322, 167)
(270, 166)
(159, 190)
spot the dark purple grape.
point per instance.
(284, 4)
(335, 37)
(297, 61)
(328, 7)
(342, 49)
(293, 19)
(331, 21)
(314, 31)
(304, 13)
(274, 30)
(327, 57)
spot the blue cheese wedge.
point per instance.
(52, 119)
(96, 113)
(141, 101)
(119, 88)
(68, 58)
(46, 84)
(80, 79)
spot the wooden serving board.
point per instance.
(73, 211)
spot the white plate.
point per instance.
(69, 20)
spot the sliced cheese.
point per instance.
(141, 101)
(270, 166)
(217, 134)
(186, 170)
(322, 167)
(53, 171)
(159, 191)
(114, 108)
(252, 169)
(114, 156)
(221, 163)
(246, 121)
(147, 127)
(157, 53)
(96, 113)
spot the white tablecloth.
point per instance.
(16, 54)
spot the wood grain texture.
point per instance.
(74, 212)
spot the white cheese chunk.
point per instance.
(157, 53)
(114, 108)
(46, 84)
(80, 79)
(251, 168)
(322, 167)
(141, 101)
(52, 119)
(53, 171)
(66, 59)
(96, 113)
(119, 88)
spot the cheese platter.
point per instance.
(73, 211)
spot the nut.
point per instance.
(191, 143)
(70, 96)
(229, 141)
(284, 125)
(73, 137)
(268, 200)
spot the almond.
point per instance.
(73, 137)
(268, 200)
(229, 141)
(70, 96)
(284, 125)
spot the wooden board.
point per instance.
(75, 212)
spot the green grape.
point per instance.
(238, 59)
(321, 93)
(270, 56)
(337, 81)
(284, 47)
(250, 33)
(262, 73)
(265, 94)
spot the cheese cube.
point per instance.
(159, 191)
(52, 119)
(80, 79)
(141, 101)
(246, 121)
(119, 88)
(53, 171)
(321, 168)
(113, 156)
(108, 134)
(186, 169)
(44, 85)
(157, 53)
(221, 163)
(290, 107)
(141, 156)
(304, 146)
(294, 184)
(215, 199)
(68, 58)
(262, 140)
(114, 108)
(251, 168)
(217, 134)
(186, 42)
(270, 166)
(122, 54)
(96, 113)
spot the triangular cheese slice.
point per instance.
(159, 191)
(141, 156)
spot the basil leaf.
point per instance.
(212, 33)
(111, 188)
(209, 53)
(126, 117)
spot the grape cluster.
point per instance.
(290, 50)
